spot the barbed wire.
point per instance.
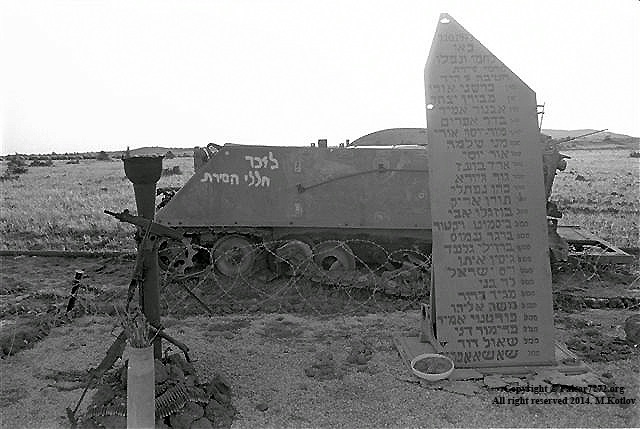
(293, 282)
(331, 279)
(397, 280)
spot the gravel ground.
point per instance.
(265, 356)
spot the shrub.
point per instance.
(48, 162)
(172, 171)
(635, 154)
(16, 161)
(16, 166)
(7, 176)
(103, 156)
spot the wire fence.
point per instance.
(349, 277)
(294, 276)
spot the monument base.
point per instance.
(566, 362)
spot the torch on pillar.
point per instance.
(144, 172)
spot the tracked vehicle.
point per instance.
(372, 194)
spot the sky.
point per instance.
(103, 75)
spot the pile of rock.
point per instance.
(182, 402)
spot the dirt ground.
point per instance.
(288, 350)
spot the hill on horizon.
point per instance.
(603, 140)
(560, 134)
(157, 150)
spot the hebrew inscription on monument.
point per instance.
(492, 280)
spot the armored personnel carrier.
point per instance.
(372, 193)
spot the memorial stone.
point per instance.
(492, 302)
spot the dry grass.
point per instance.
(61, 207)
(607, 201)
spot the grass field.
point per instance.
(600, 191)
(61, 207)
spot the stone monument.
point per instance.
(491, 297)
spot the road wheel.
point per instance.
(289, 258)
(182, 257)
(334, 255)
(234, 255)
(172, 255)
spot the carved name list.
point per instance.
(492, 280)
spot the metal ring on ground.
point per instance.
(432, 376)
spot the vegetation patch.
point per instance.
(24, 332)
(172, 171)
(600, 191)
(16, 166)
(591, 344)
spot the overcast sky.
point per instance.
(103, 75)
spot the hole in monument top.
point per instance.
(429, 106)
(445, 20)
